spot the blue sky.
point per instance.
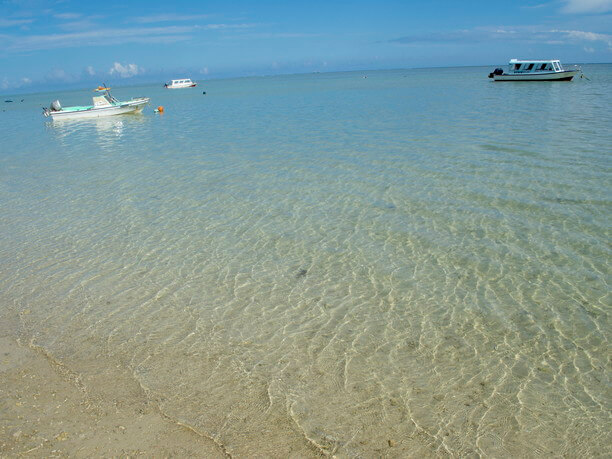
(55, 43)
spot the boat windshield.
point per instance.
(535, 66)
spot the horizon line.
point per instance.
(267, 75)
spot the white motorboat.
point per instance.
(536, 70)
(178, 84)
(104, 105)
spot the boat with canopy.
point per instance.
(535, 70)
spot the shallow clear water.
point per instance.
(413, 263)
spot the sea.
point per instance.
(398, 263)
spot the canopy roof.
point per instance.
(534, 61)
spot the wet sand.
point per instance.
(47, 410)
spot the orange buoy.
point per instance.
(160, 109)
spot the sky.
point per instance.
(47, 44)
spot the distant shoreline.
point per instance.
(161, 79)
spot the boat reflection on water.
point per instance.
(108, 130)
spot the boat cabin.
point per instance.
(520, 67)
(102, 101)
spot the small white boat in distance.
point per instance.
(536, 70)
(104, 105)
(178, 84)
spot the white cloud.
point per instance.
(58, 74)
(67, 15)
(587, 6)
(99, 37)
(84, 33)
(525, 34)
(579, 35)
(266, 36)
(589, 50)
(90, 70)
(26, 80)
(125, 71)
(227, 26)
(14, 22)
(5, 83)
(169, 18)
(204, 71)
(84, 24)
(540, 5)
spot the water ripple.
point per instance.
(329, 264)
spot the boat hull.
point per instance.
(551, 76)
(193, 85)
(134, 106)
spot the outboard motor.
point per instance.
(56, 106)
(496, 72)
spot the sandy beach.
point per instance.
(48, 411)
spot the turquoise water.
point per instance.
(415, 263)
